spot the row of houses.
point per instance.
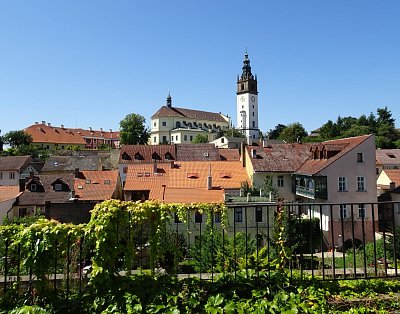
(341, 172)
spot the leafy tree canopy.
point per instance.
(133, 130)
(276, 132)
(17, 138)
(232, 132)
(200, 138)
(293, 133)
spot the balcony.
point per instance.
(311, 187)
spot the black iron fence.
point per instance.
(322, 241)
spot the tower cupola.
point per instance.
(169, 100)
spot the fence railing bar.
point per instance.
(374, 238)
(311, 243)
(322, 242)
(353, 241)
(246, 242)
(394, 239)
(333, 240)
(363, 242)
(341, 214)
(384, 241)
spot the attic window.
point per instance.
(193, 175)
(225, 175)
(33, 187)
(155, 156)
(168, 156)
(391, 155)
(138, 156)
(88, 181)
(107, 182)
(147, 174)
(126, 156)
(80, 187)
(139, 174)
(57, 187)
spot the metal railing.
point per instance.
(324, 241)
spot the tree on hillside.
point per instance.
(293, 133)
(274, 134)
(231, 132)
(133, 130)
(17, 138)
(200, 138)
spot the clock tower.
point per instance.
(247, 102)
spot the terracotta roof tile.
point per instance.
(69, 163)
(182, 195)
(388, 156)
(229, 154)
(128, 152)
(166, 111)
(197, 152)
(14, 162)
(394, 175)
(8, 192)
(342, 146)
(96, 185)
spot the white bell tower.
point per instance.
(247, 102)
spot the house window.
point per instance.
(33, 187)
(164, 123)
(155, 139)
(254, 124)
(280, 181)
(107, 182)
(259, 213)
(178, 124)
(198, 218)
(342, 184)
(176, 137)
(164, 139)
(12, 175)
(1, 175)
(222, 140)
(217, 218)
(185, 138)
(155, 124)
(360, 184)
(125, 170)
(343, 211)
(191, 137)
(253, 113)
(58, 187)
(238, 214)
(360, 157)
(23, 212)
(361, 211)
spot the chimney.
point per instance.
(49, 124)
(242, 153)
(62, 126)
(172, 164)
(101, 129)
(36, 123)
(31, 175)
(72, 193)
(90, 129)
(253, 153)
(43, 122)
(21, 185)
(209, 179)
(155, 167)
(392, 186)
(110, 130)
(76, 173)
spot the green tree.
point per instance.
(17, 138)
(200, 138)
(231, 132)
(293, 133)
(133, 130)
(274, 134)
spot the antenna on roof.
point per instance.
(209, 178)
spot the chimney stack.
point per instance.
(49, 124)
(21, 185)
(90, 129)
(209, 179)
(155, 167)
(31, 175)
(76, 173)
(62, 126)
(43, 122)
(101, 129)
(172, 164)
(243, 153)
(392, 186)
(110, 130)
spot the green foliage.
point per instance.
(17, 138)
(231, 132)
(293, 133)
(276, 132)
(133, 130)
(200, 138)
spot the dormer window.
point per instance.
(138, 156)
(178, 124)
(125, 156)
(193, 175)
(155, 156)
(225, 175)
(107, 182)
(168, 156)
(57, 187)
(360, 157)
(88, 181)
(33, 187)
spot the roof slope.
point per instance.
(388, 156)
(197, 152)
(146, 151)
(70, 163)
(8, 192)
(229, 154)
(278, 157)
(393, 175)
(40, 198)
(166, 111)
(14, 162)
(96, 185)
(342, 146)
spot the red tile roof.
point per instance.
(96, 185)
(43, 133)
(146, 151)
(341, 146)
(8, 192)
(394, 175)
(278, 157)
(388, 156)
(197, 152)
(229, 154)
(188, 180)
(166, 111)
(16, 163)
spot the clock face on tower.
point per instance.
(242, 99)
(253, 99)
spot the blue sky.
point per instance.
(90, 63)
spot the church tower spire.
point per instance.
(247, 101)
